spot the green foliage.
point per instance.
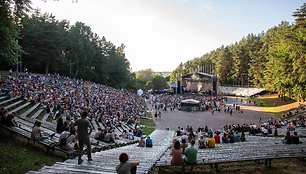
(159, 82)
(54, 46)
(275, 60)
(10, 13)
(18, 157)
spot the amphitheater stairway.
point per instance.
(104, 162)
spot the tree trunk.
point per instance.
(47, 68)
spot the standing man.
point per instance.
(83, 136)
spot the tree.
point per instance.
(43, 38)
(11, 12)
(159, 82)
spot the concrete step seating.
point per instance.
(9, 107)
(20, 107)
(301, 131)
(2, 97)
(34, 116)
(11, 100)
(26, 113)
(255, 148)
(28, 122)
(45, 117)
(104, 162)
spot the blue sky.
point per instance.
(160, 34)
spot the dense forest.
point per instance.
(43, 44)
(275, 60)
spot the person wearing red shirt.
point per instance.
(217, 137)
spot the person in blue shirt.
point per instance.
(149, 142)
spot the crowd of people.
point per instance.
(69, 97)
(165, 102)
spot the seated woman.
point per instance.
(10, 120)
(109, 138)
(288, 138)
(225, 138)
(291, 127)
(62, 141)
(142, 142)
(72, 141)
(125, 165)
(202, 142)
(295, 138)
(184, 145)
(38, 134)
(124, 134)
(68, 140)
(130, 135)
(176, 153)
(99, 135)
(242, 137)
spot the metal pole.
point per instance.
(248, 86)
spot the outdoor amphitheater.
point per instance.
(29, 107)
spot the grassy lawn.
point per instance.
(3, 73)
(275, 105)
(18, 157)
(148, 123)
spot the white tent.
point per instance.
(190, 101)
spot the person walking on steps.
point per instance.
(83, 125)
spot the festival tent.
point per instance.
(190, 105)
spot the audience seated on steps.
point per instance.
(176, 154)
(142, 142)
(68, 140)
(10, 120)
(242, 137)
(70, 96)
(225, 138)
(38, 134)
(217, 137)
(149, 142)
(237, 137)
(126, 166)
(100, 134)
(202, 142)
(109, 137)
(296, 139)
(130, 135)
(288, 138)
(184, 145)
(3, 116)
(211, 142)
(124, 134)
(191, 153)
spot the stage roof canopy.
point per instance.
(199, 74)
